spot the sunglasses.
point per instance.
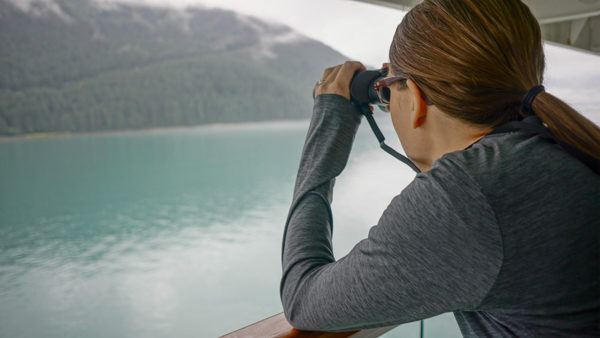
(382, 88)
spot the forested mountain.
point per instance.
(85, 66)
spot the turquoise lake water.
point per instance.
(168, 233)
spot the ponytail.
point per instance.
(567, 125)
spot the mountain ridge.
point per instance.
(84, 73)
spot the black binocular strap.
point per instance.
(364, 109)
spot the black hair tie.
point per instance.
(530, 96)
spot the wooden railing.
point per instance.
(278, 327)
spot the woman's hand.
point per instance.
(336, 80)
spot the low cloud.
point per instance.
(40, 8)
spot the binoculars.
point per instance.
(364, 88)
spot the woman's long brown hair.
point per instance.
(476, 60)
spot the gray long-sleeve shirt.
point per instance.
(505, 234)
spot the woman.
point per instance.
(500, 228)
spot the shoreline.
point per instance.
(293, 123)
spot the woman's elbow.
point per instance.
(289, 307)
(304, 316)
(301, 307)
(293, 309)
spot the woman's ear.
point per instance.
(418, 111)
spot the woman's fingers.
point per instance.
(346, 72)
(327, 73)
(332, 74)
(336, 80)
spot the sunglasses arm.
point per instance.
(364, 109)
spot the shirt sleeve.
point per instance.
(436, 248)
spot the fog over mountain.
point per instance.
(99, 65)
